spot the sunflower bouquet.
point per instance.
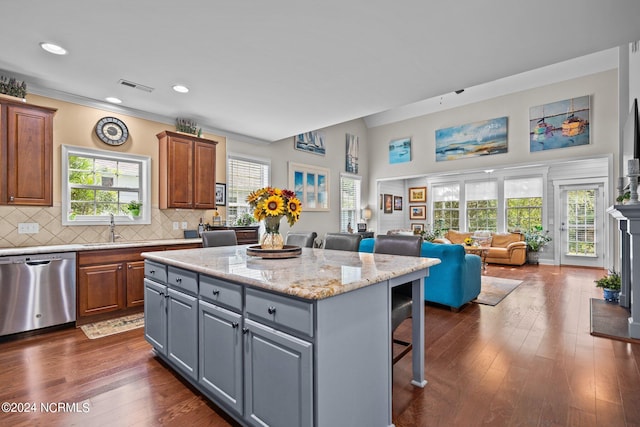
(271, 202)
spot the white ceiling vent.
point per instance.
(135, 85)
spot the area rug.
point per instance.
(610, 320)
(113, 326)
(495, 289)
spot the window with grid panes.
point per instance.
(482, 205)
(523, 201)
(349, 201)
(101, 183)
(446, 207)
(244, 175)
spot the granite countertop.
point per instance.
(315, 274)
(77, 247)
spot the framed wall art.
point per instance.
(417, 227)
(310, 142)
(559, 124)
(311, 185)
(388, 203)
(418, 212)
(400, 150)
(418, 195)
(221, 194)
(397, 203)
(483, 138)
(351, 153)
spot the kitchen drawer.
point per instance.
(221, 293)
(279, 311)
(155, 271)
(184, 280)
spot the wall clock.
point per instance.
(112, 131)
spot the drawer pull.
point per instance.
(234, 325)
(216, 292)
(178, 280)
(271, 310)
(152, 272)
(245, 331)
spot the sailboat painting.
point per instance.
(559, 124)
(351, 155)
(311, 142)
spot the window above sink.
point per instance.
(98, 183)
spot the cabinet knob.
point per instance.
(178, 280)
(271, 310)
(234, 325)
(245, 331)
(129, 266)
(11, 199)
(152, 272)
(216, 292)
(119, 267)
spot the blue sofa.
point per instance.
(455, 281)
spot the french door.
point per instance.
(582, 239)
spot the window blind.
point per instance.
(244, 176)
(520, 188)
(446, 193)
(349, 201)
(481, 190)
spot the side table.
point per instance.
(481, 252)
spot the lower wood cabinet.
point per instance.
(110, 282)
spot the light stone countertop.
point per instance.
(315, 274)
(78, 247)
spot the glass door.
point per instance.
(582, 225)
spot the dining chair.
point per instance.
(219, 238)
(401, 298)
(302, 239)
(342, 241)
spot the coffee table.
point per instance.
(481, 252)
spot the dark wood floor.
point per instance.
(529, 361)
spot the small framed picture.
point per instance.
(417, 227)
(388, 203)
(397, 203)
(362, 226)
(418, 212)
(221, 194)
(418, 195)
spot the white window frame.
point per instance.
(144, 189)
(357, 197)
(245, 158)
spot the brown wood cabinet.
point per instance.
(26, 154)
(110, 282)
(187, 171)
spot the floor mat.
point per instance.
(610, 320)
(113, 326)
(495, 289)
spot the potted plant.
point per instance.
(610, 284)
(245, 220)
(11, 87)
(133, 207)
(536, 240)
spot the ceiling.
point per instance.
(265, 71)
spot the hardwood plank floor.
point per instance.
(529, 361)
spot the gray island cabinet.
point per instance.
(283, 342)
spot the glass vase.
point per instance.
(272, 239)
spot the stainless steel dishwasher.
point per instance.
(37, 291)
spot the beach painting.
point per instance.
(400, 150)
(559, 124)
(311, 186)
(471, 140)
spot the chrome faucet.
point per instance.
(112, 229)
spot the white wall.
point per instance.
(603, 88)
(282, 152)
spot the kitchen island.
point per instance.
(304, 341)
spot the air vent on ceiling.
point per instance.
(135, 85)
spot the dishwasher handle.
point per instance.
(35, 263)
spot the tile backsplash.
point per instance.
(52, 232)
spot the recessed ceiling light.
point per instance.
(53, 48)
(180, 88)
(113, 100)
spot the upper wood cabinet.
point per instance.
(187, 171)
(26, 152)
